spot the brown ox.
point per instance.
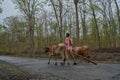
(83, 51)
(55, 50)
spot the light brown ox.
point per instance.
(55, 50)
(83, 51)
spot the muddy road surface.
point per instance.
(81, 71)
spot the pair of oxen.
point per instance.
(60, 49)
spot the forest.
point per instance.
(95, 23)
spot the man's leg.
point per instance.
(73, 57)
(67, 56)
(63, 58)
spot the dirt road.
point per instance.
(81, 71)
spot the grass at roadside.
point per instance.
(10, 72)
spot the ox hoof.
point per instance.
(48, 63)
(62, 63)
(55, 64)
(74, 63)
(68, 64)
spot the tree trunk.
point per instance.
(60, 27)
(105, 26)
(84, 30)
(118, 14)
(96, 26)
(112, 24)
(77, 23)
(56, 15)
(31, 36)
(83, 18)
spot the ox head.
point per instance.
(47, 49)
(88, 56)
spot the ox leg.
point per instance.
(50, 59)
(56, 60)
(80, 59)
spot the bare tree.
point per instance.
(118, 16)
(57, 16)
(60, 12)
(0, 6)
(96, 25)
(83, 20)
(112, 24)
(29, 8)
(105, 23)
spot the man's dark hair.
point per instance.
(67, 34)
